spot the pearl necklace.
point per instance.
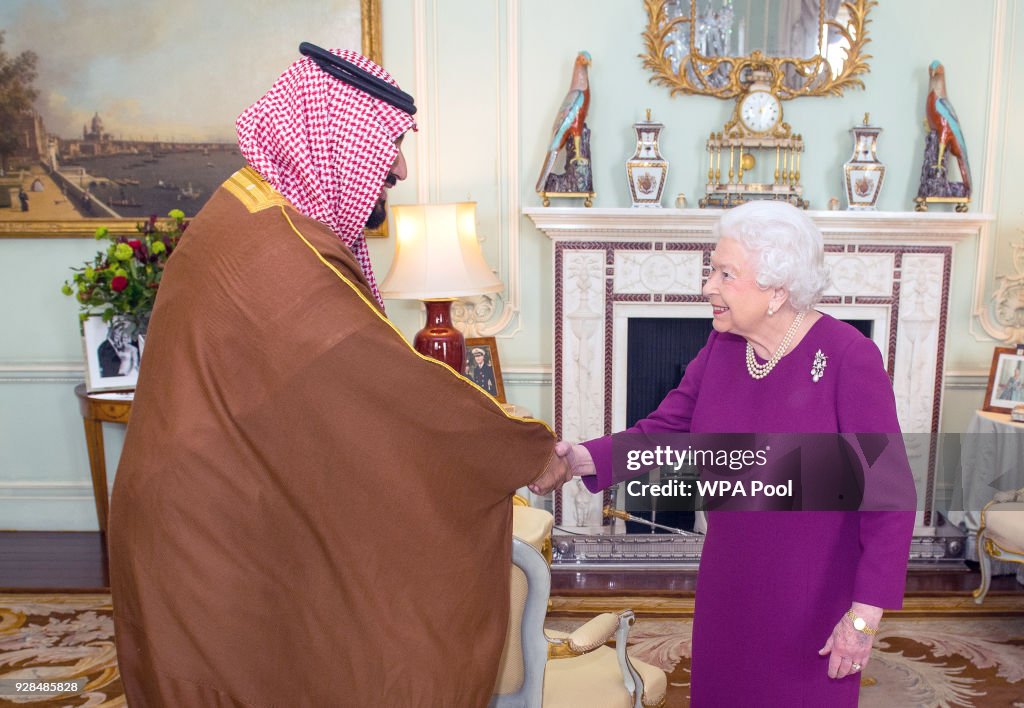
(759, 371)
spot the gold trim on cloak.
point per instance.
(249, 187)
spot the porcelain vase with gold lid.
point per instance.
(646, 170)
(863, 174)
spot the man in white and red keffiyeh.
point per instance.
(330, 148)
(301, 494)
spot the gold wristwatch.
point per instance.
(859, 624)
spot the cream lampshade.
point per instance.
(438, 259)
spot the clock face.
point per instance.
(760, 111)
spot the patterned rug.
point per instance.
(937, 663)
(59, 638)
(917, 662)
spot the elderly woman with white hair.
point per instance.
(787, 602)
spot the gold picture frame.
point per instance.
(23, 225)
(727, 76)
(484, 370)
(1005, 387)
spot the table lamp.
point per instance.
(437, 260)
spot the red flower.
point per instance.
(118, 283)
(140, 250)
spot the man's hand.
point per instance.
(570, 460)
(555, 474)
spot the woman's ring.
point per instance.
(855, 666)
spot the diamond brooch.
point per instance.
(818, 367)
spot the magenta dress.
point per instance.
(773, 584)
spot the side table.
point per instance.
(97, 409)
(992, 459)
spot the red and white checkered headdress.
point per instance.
(326, 146)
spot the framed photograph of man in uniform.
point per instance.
(482, 367)
(1005, 380)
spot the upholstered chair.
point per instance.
(1000, 536)
(555, 669)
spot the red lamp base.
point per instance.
(439, 339)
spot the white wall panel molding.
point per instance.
(503, 317)
(983, 307)
(425, 112)
(46, 491)
(50, 372)
(527, 376)
(47, 506)
(967, 380)
(508, 324)
(494, 315)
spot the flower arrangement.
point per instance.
(121, 281)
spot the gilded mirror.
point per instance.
(709, 47)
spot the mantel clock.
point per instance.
(763, 152)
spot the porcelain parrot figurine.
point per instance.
(570, 118)
(942, 119)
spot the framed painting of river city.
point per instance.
(115, 110)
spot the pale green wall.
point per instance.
(484, 122)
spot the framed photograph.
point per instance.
(112, 355)
(1005, 380)
(114, 126)
(482, 366)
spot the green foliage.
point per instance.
(122, 280)
(16, 95)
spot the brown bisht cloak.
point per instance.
(307, 512)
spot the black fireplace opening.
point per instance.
(657, 352)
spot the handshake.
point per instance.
(570, 460)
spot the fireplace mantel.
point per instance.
(892, 268)
(868, 226)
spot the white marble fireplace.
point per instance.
(611, 265)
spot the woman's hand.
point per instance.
(850, 649)
(578, 458)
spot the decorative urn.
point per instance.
(863, 173)
(646, 170)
